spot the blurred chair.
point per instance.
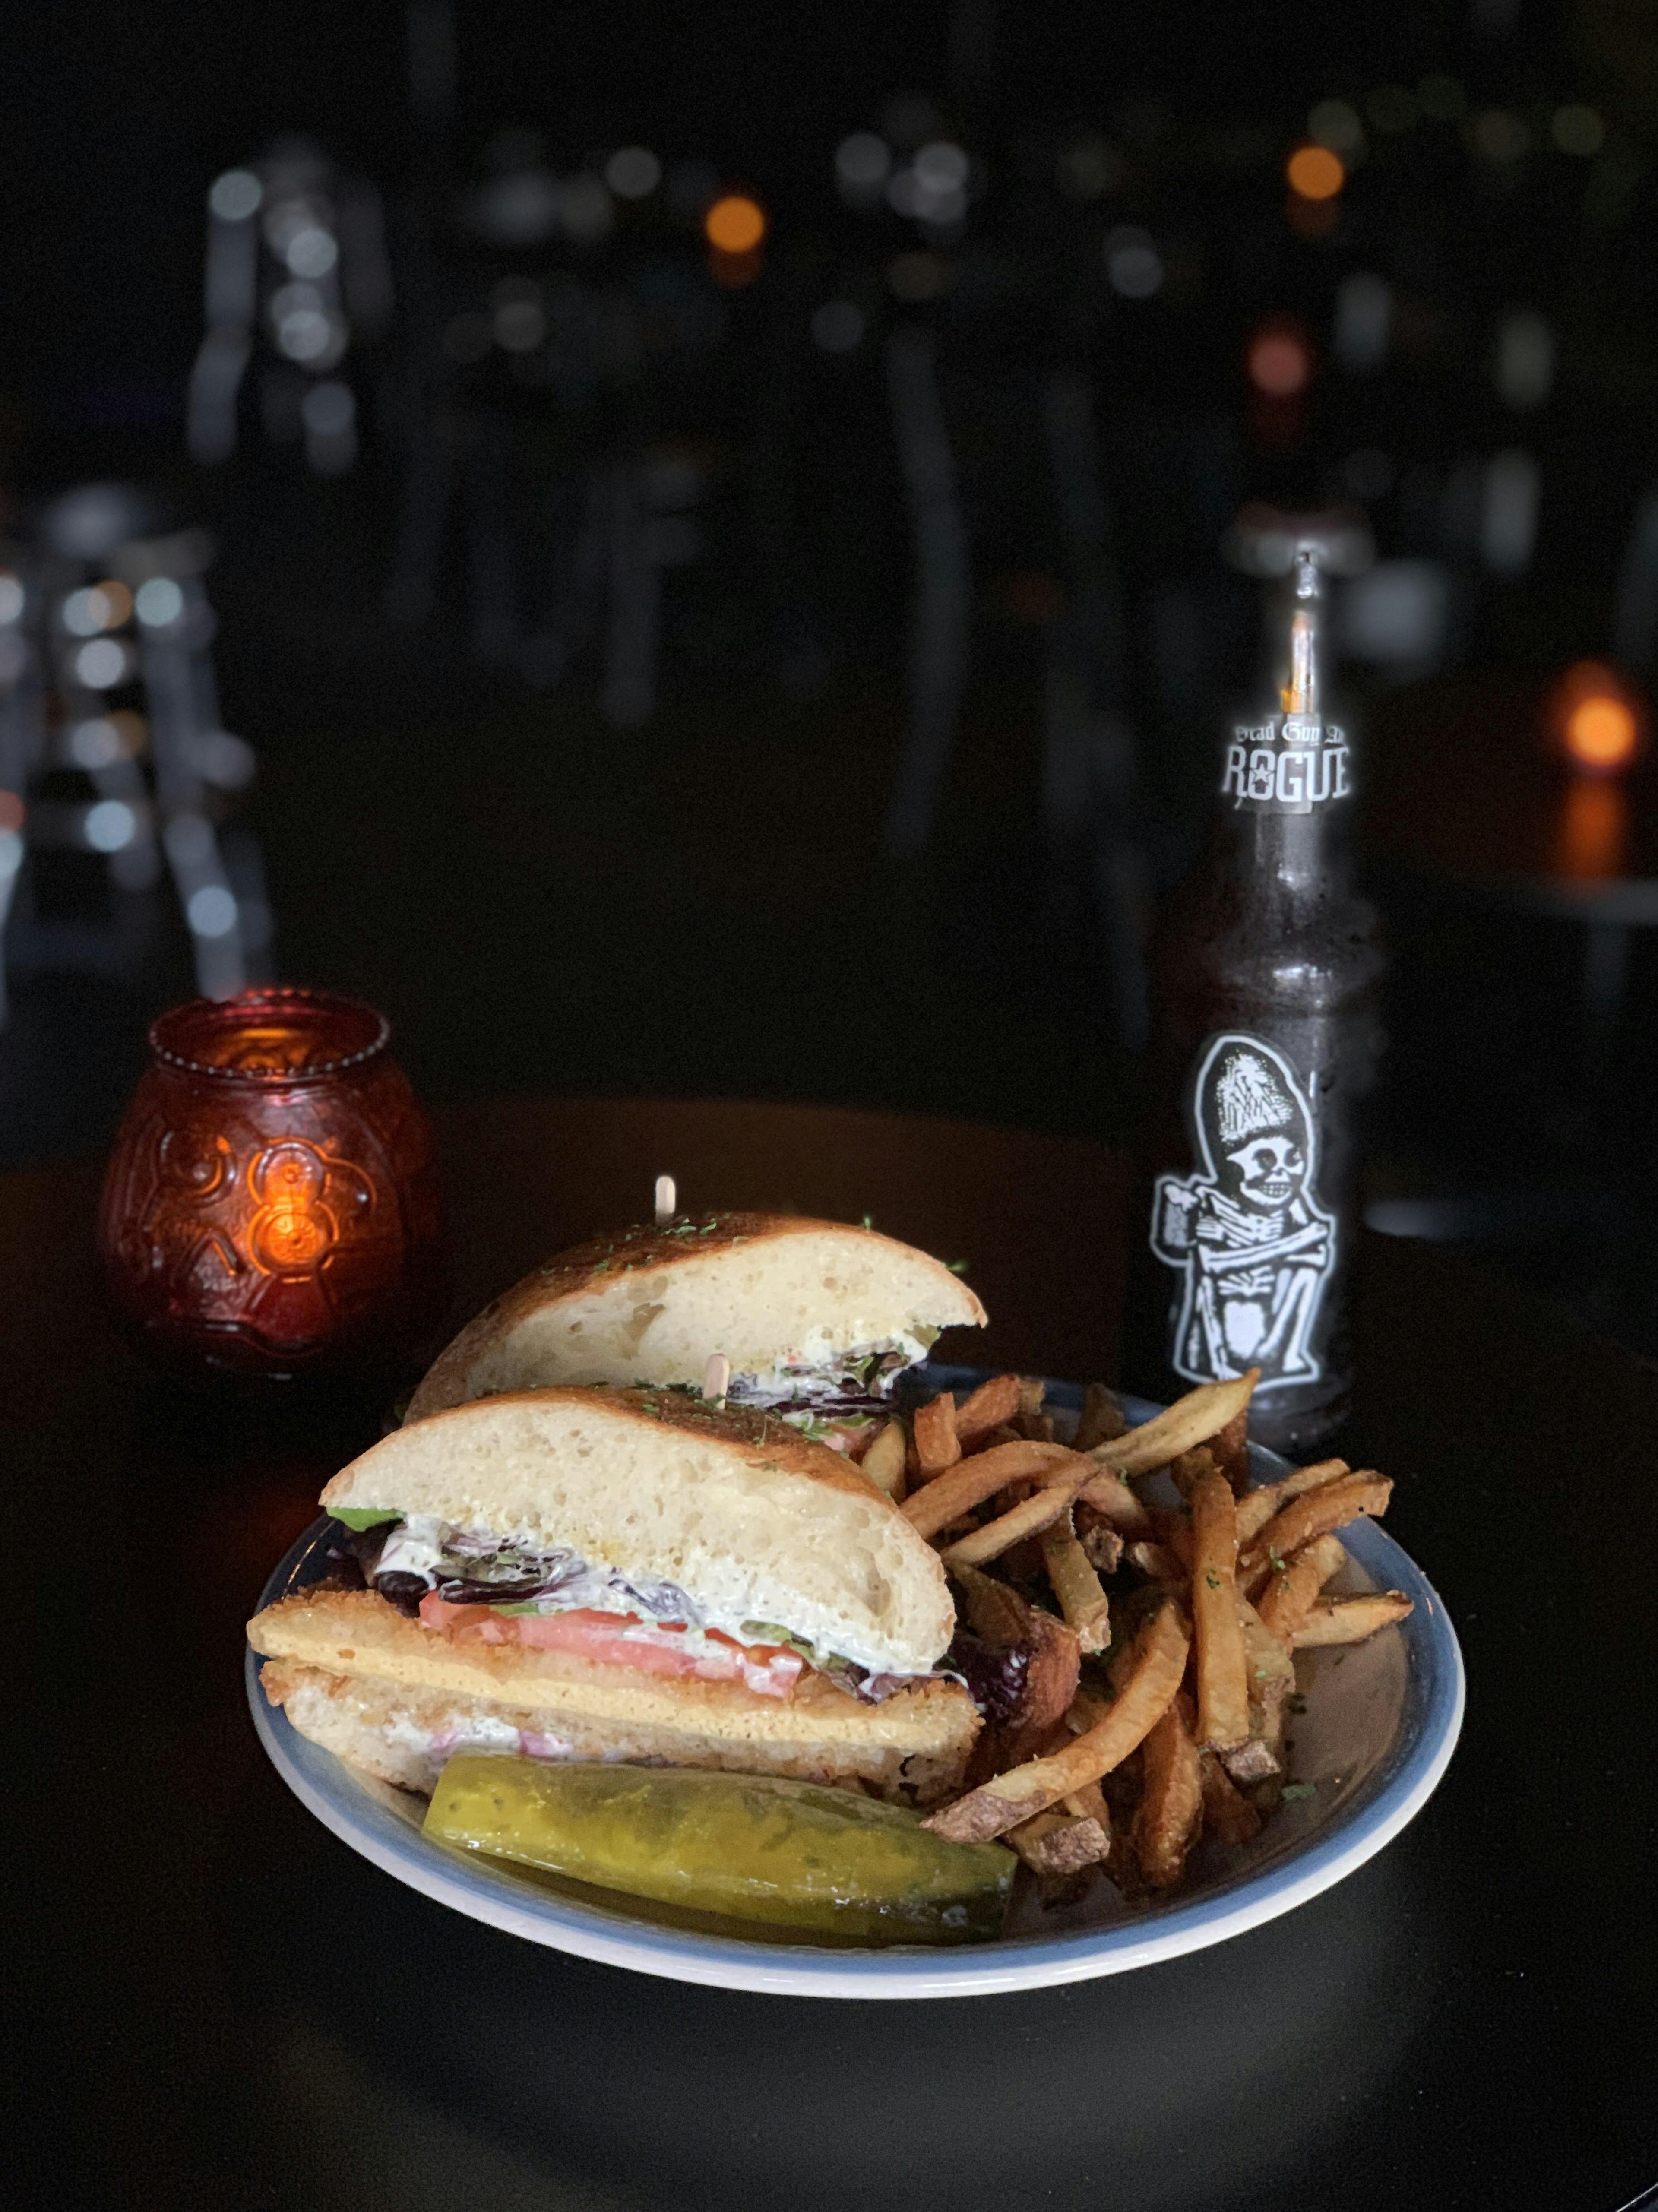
(298, 284)
(111, 747)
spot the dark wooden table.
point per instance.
(220, 2006)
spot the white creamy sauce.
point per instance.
(817, 1368)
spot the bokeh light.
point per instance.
(633, 173)
(1315, 172)
(734, 224)
(1598, 723)
(1601, 733)
(1280, 361)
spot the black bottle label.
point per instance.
(1254, 1251)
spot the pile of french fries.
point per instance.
(1143, 1718)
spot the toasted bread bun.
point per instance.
(390, 1696)
(651, 1305)
(751, 1519)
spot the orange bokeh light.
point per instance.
(1315, 172)
(1601, 733)
(1599, 724)
(734, 224)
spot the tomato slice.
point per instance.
(618, 1639)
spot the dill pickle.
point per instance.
(753, 1847)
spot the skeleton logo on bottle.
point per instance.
(1254, 1248)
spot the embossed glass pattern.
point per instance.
(271, 1203)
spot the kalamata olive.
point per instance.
(403, 1591)
(994, 1673)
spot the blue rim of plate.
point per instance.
(1391, 1796)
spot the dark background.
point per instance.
(702, 902)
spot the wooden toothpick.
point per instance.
(716, 1379)
(667, 1200)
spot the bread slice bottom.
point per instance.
(394, 1698)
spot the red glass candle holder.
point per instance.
(271, 1206)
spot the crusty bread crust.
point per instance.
(480, 1358)
(735, 1506)
(358, 1677)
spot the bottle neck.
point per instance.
(1302, 853)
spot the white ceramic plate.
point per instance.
(1381, 1721)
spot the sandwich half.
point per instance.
(581, 1573)
(818, 1319)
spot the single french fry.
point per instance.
(1227, 1816)
(1332, 1506)
(1156, 1562)
(1028, 1518)
(1185, 1471)
(1173, 1532)
(989, 1407)
(1192, 1420)
(1054, 1843)
(971, 1481)
(1272, 1679)
(1101, 1421)
(1231, 1447)
(1223, 1678)
(1350, 1620)
(883, 1462)
(1032, 1391)
(1148, 1685)
(1256, 1509)
(1290, 1590)
(1114, 1501)
(1076, 1585)
(1172, 1803)
(937, 1445)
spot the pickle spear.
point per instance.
(795, 1854)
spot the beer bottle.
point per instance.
(1264, 980)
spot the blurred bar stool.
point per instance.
(297, 277)
(110, 747)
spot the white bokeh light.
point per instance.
(110, 825)
(235, 196)
(159, 603)
(100, 664)
(633, 173)
(211, 911)
(1133, 263)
